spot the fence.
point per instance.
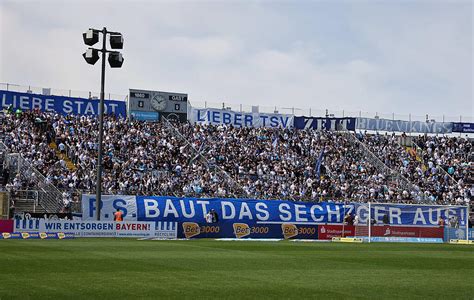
(308, 111)
(59, 92)
(320, 112)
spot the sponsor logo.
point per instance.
(387, 231)
(191, 229)
(241, 230)
(61, 235)
(25, 235)
(460, 234)
(323, 229)
(289, 230)
(6, 235)
(43, 235)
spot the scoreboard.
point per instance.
(145, 105)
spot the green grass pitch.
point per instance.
(197, 269)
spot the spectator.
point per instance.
(223, 161)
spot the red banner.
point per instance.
(406, 231)
(6, 226)
(327, 232)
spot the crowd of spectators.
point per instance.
(183, 159)
(440, 167)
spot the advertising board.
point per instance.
(327, 232)
(99, 228)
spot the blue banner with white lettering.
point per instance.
(332, 124)
(250, 218)
(403, 126)
(409, 214)
(212, 116)
(463, 127)
(60, 104)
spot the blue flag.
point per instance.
(318, 163)
(275, 142)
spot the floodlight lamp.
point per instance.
(90, 37)
(116, 41)
(91, 56)
(115, 59)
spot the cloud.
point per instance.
(389, 57)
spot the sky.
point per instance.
(373, 56)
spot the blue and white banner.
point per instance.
(250, 218)
(109, 205)
(99, 228)
(212, 116)
(403, 126)
(463, 127)
(332, 124)
(60, 104)
(142, 208)
(408, 214)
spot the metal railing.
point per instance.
(49, 197)
(299, 111)
(22, 197)
(319, 112)
(234, 186)
(381, 166)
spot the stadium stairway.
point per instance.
(26, 201)
(69, 164)
(27, 206)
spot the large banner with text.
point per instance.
(403, 126)
(250, 218)
(212, 116)
(330, 124)
(60, 104)
(93, 228)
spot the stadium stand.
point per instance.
(182, 159)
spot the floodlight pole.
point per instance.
(101, 126)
